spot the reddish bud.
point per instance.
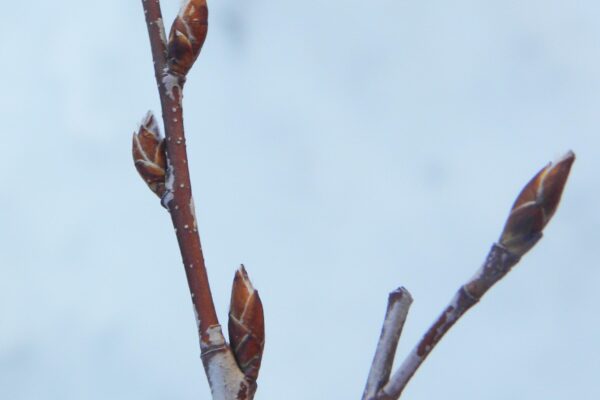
(246, 325)
(187, 36)
(149, 154)
(535, 206)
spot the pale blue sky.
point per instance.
(337, 149)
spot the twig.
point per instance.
(531, 212)
(498, 264)
(172, 61)
(399, 302)
(178, 198)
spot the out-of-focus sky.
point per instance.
(338, 149)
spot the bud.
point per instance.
(187, 36)
(535, 206)
(246, 325)
(149, 154)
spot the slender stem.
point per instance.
(179, 200)
(226, 380)
(399, 302)
(158, 40)
(498, 263)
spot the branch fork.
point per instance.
(531, 212)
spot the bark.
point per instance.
(172, 61)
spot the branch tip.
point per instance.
(536, 205)
(399, 302)
(400, 294)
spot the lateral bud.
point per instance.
(535, 206)
(149, 154)
(187, 36)
(246, 325)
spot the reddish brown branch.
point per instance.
(158, 40)
(178, 198)
(172, 61)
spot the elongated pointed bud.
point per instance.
(246, 325)
(149, 154)
(187, 36)
(535, 206)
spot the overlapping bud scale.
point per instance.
(187, 36)
(535, 206)
(246, 325)
(149, 154)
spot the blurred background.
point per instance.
(338, 149)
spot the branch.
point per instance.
(531, 212)
(158, 40)
(399, 302)
(178, 197)
(498, 264)
(165, 170)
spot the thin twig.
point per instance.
(158, 39)
(172, 61)
(530, 213)
(178, 199)
(498, 263)
(399, 302)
